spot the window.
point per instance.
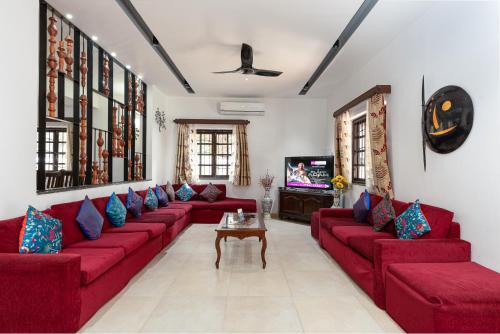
(55, 149)
(214, 151)
(358, 150)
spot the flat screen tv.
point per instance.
(309, 172)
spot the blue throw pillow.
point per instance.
(116, 211)
(185, 192)
(162, 196)
(40, 233)
(412, 223)
(134, 203)
(362, 207)
(151, 201)
(90, 220)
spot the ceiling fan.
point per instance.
(246, 64)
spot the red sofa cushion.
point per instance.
(153, 229)
(360, 238)
(329, 222)
(169, 212)
(180, 205)
(128, 241)
(9, 234)
(232, 204)
(439, 219)
(96, 261)
(67, 212)
(450, 283)
(198, 205)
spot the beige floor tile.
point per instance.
(128, 314)
(259, 283)
(261, 314)
(187, 315)
(200, 283)
(318, 284)
(334, 315)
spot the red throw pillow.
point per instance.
(383, 213)
(210, 193)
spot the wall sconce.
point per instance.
(160, 119)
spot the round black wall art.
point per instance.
(448, 119)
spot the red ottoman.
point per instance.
(443, 297)
(315, 225)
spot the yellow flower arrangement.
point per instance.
(339, 182)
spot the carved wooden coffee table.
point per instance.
(251, 226)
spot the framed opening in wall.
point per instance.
(91, 111)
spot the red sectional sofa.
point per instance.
(60, 292)
(365, 254)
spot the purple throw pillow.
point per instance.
(362, 207)
(90, 220)
(134, 203)
(210, 193)
(162, 196)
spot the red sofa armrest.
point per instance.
(338, 213)
(39, 292)
(388, 251)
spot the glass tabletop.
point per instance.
(232, 221)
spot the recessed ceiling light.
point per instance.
(128, 67)
(94, 38)
(246, 79)
(113, 54)
(69, 16)
(140, 76)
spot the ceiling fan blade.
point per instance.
(224, 72)
(246, 56)
(267, 73)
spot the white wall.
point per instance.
(290, 127)
(18, 129)
(452, 43)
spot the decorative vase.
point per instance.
(267, 204)
(338, 198)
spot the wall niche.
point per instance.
(91, 111)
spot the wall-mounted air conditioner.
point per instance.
(242, 108)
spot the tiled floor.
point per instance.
(301, 290)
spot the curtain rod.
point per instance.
(379, 89)
(210, 121)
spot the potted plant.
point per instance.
(339, 187)
(267, 202)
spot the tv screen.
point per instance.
(309, 172)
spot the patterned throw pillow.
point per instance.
(362, 207)
(412, 223)
(162, 196)
(151, 201)
(133, 203)
(185, 192)
(40, 233)
(170, 191)
(116, 211)
(90, 220)
(210, 193)
(383, 213)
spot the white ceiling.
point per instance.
(203, 36)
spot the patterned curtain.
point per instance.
(183, 170)
(343, 145)
(376, 117)
(242, 163)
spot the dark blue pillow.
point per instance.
(162, 196)
(362, 207)
(134, 203)
(90, 220)
(116, 211)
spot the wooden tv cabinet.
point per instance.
(300, 204)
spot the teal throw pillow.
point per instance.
(116, 211)
(151, 201)
(185, 192)
(412, 223)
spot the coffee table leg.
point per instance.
(263, 252)
(217, 247)
(225, 239)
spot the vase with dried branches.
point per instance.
(267, 202)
